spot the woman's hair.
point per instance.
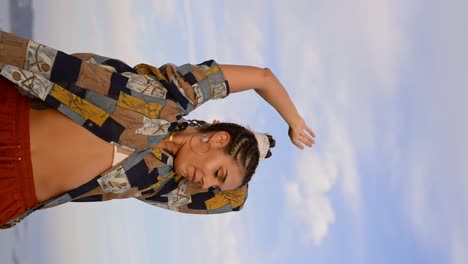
(242, 146)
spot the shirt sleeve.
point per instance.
(189, 85)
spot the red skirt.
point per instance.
(17, 192)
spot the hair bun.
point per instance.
(272, 142)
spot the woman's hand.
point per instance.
(300, 134)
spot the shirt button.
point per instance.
(19, 158)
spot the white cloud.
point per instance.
(341, 157)
(313, 210)
(243, 32)
(434, 183)
(316, 174)
(343, 74)
(439, 140)
(417, 206)
(4, 15)
(189, 38)
(436, 207)
(99, 233)
(434, 168)
(112, 32)
(98, 43)
(123, 31)
(205, 239)
(241, 41)
(223, 242)
(458, 242)
(164, 9)
(385, 44)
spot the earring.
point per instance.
(203, 140)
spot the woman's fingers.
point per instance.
(300, 141)
(307, 141)
(298, 144)
(302, 135)
(306, 137)
(311, 133)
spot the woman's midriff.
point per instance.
(64, 155)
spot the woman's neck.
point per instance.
(177, 140)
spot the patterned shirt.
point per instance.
(133, 108)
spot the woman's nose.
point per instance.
(208, 181)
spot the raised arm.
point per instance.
(265, 83)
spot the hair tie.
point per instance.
(262, 141)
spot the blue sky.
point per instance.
(382, 84)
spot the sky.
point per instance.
(381, 83)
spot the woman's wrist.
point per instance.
(279, 99)
(295, 120)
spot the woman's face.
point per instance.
(206, 163)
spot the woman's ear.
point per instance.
(220, 138)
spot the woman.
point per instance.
(111, 131)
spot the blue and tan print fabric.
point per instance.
(131, 107)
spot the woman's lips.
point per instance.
(193, 176)
(192, 179)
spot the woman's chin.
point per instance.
(180, 173)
